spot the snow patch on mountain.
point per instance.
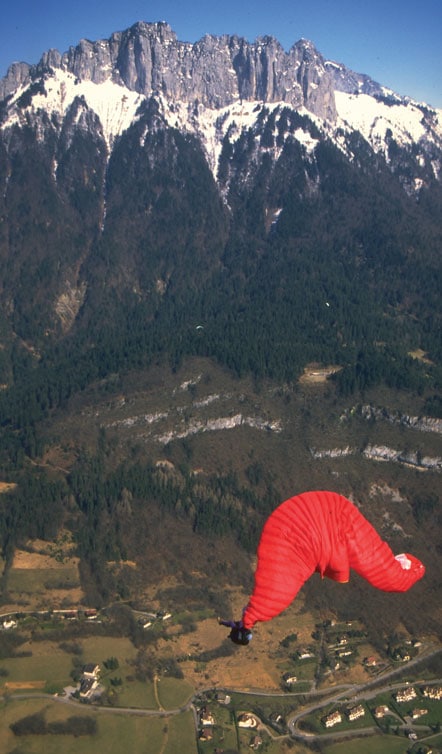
(115, 105)
(212, 126)
(376, 119)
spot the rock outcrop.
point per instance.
(215, 71)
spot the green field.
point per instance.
(116, 734)
(136, 694)
(173, 693)
(99, 648)
(39, 580)
(49, 665)
(371, 745)
(52, 666)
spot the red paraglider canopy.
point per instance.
(324, 532)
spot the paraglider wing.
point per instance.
(283, 567)
(373, 559)
(321, 531)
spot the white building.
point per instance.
(333, 719)
(247, 721)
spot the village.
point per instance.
(407, 694)
(413, 709)
(247, 721)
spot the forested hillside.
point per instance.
(253, 238)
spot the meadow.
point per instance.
(372, 745)
(115, 733)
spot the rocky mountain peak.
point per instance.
(17, 75)
(215, 71)
(346, 80)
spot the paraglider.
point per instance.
(322, 532)
(238, 634)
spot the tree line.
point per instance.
(217, 507)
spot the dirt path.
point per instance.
(16, 685)
(165, 739)
(156, 681)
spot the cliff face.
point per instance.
(215, 71)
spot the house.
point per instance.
(206, 734)
(206, 717)
(247, 720)
(305, 654)
(355, 712)
(433, 692)
(256, 742)
(223, 698)
(163, 615)
(89, 680)
(405, 695)
(344, 652)
(7, 624)
(289, 678)
(276, 718)
(333, 719)
(91, 671)
(381, 711)
(87, 687)
(370, 662)
(66, 614)
(418, 713)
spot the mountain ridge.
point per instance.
(209, 75)
(149, 59)
(130, 163)
(124, 57)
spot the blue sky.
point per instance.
(396, 42)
